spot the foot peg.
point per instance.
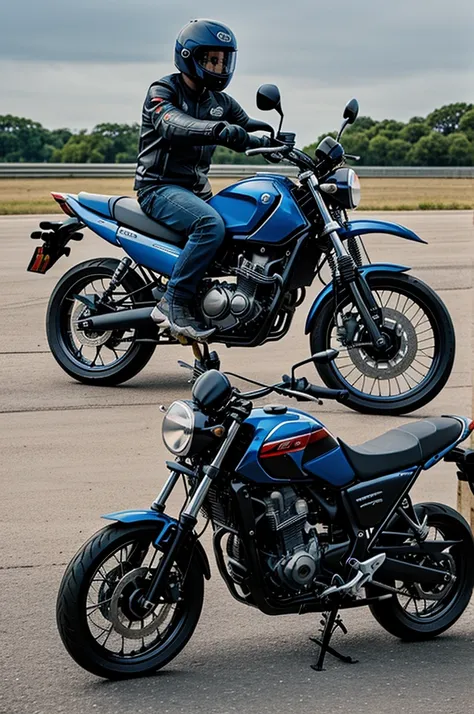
(366, 570)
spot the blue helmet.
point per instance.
(206, 51)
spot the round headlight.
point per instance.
(177, 429)
(354, 188)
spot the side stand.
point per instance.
(329, 624)
(203, 360)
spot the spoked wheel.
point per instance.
(90, 356)
(418, 357)
(419, 611)
(100, 618)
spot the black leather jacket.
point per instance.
(179, 134)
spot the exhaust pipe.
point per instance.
(120, 320)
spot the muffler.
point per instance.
(120, 320)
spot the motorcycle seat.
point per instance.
(403, 447)
(127, 212)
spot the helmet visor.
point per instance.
(216, 60)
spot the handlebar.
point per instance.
(300, 389)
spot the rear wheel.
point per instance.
(95, 357)
(417, 362)
(420, 612)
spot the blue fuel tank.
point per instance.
(261, 208)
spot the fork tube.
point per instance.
(159, 502)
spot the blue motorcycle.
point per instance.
(394, 335)
(302, 523)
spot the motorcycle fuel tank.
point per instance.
(289, 445)
(261, 208)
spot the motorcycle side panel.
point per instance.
(260, 208)
(326, 292)
(371, 501)
(292, 447)
(366, 226)
(104, 227)
(149, 252)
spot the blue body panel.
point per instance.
(326, 292)
(260, 208)
(332, 467)
(150, 252)
(363, 227)
(97, 203)
(104, 228)
(146, 516)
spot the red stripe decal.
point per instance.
(291, 445)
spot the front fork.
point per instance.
(187, 520)
(354, 282)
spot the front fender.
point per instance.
(165, 525)
(365, 226)
(326, 293)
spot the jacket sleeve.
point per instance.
(235, 114)
(175, 125)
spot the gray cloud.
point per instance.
(80, 63)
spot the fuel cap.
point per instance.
(275, 409)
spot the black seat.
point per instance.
(128, 213)
(403, 447)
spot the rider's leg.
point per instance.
(183, 211)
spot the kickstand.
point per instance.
(329, 624)
(203, 360)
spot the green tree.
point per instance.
(413, 131)
(378, 151)
(431, 150)
(397, 152)
(466, 124)
(446, 119)
(21, 139)
(461, 151)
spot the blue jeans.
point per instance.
(184, 212)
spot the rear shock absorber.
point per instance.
(116, 279)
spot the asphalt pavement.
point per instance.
(69, 453)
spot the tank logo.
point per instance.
(217, 111)
(265, 197)
(224, 37)
(185, 53)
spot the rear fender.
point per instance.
(326, 293)
(106, 228)
(366, 226)
(165, 527)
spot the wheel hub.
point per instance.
(125, 610)
(398, 354)
(89, 338)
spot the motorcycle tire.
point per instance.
(413, 627)
(58, 328)
(72, 610)
(443, 359)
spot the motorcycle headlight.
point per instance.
(354, 188)
(178, 428)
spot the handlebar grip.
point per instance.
(340, 395)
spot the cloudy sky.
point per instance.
(76, 64)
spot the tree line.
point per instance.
(444, 138)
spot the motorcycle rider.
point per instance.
(184, 116)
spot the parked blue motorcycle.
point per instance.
(395, 337)
(302, 523)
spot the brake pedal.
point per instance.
(366, 570)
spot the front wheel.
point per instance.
(421, 612)
(99, 616)
(419, 357)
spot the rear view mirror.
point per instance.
(268, 97)
(351, 110)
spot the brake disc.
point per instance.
(89, 338)
(121, 621)
(400, 328)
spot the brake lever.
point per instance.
(352, 157)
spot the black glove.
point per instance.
(234, 137)
(258, 142)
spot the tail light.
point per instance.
(61, 198)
